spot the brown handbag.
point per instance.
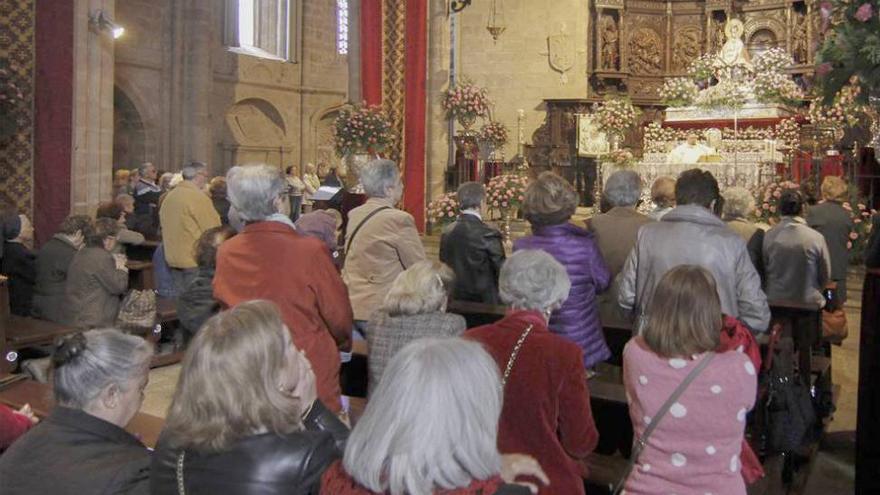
(137, 311)
(834, 326)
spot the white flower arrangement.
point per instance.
(678, 92)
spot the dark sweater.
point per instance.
(19, 264)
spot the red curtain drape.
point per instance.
(371, 51)
(414, 111)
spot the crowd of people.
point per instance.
(271, 295)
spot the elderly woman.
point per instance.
(796, 258)
(831, 219)
(739, 204)
(196, 303)
(18, 260)
(663, 197)
(546, 402)
(115, 211)
(549, 203)
(245, 418)
(695, 445)
(324, 225)
(380, 240)
(96, 279)
(415, 307)
(53, 262)
(99, 378)
(269, 260)
(430, 428)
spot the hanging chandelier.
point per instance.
(496, 25)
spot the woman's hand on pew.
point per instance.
(514, 466)
(27, 412)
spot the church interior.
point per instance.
(107, 107)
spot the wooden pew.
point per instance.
(140, 275)
(39, 395)
(477, 314)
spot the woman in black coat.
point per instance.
(19, 262)
(196, 303)
(245, 418)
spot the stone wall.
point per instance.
(197, 99)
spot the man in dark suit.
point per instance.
(473, 249)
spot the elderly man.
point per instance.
(473, 249)
(380, 240)
(53, 260)
(692, 234)
(270, 260)
(616, 230)
(146, 191)
(689, 152)
(186, 213)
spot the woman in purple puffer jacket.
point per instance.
(550, 201)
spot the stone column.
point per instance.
(354, 51)
(437, 131)
(197, 81)
(92, 155)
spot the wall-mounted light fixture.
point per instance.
(100, 21)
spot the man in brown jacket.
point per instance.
(186, 213)
(380, 240)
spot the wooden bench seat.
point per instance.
(604, 471)
(23, 332)
(39, 395)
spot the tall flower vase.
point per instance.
(506, 240)
(354, 162)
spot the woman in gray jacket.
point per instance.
(96, 279)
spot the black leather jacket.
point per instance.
(474, 252)
(264, 464)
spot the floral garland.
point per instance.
(773, 60)
(776, 87)
(506, 192)
(615, 115)
(843, 110)
(702, 68)
(725, 94)
(788, 132)
(443, 210)
(622, 158)
(851, 49)
(466, 101)
(494, 133)
(678, 92)
(362, 129)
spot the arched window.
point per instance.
(342, 27)
(262, 28)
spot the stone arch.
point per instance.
(147, 110)
(256, 122)
(129, 135)
(756, 26)
(323, 150)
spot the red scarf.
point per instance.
(336, 481)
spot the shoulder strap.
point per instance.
(358, 228)
(181, 489)
(513, 354)
(643, 440)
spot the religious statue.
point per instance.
(609, 43)
(689, 152)
(733, 58)
(799, 39)
(716, 35)
(645, 56)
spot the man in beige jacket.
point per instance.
(380, 240)
(186, 213)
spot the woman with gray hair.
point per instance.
(739, 205)
(415, 307)
(430, 427)
(380, 240)
(99, 378)
(549, 203)
(269, 260)
(546, 402)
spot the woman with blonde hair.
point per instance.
(415, 307)
(245, 417)
(693, 444)
(431, 428)
(832, 218)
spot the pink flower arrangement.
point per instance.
(443, 210)
(494, 133)
(616, 115)
(865, 12)
(362, 129)
(506, 192)
(768, 199)
(467, 101)
(622, 158)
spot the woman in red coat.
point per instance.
(270, 260)
(546, 410)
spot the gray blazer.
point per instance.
(53, 261)
(834, 223)
(94, 287)
(388, 334)
(796, 261)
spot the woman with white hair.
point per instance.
(99, 378)
(269, 260)
(380, 240)
(739, 205)
(415, 307)
(245, 417)
(546, 402)
(430, 427)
